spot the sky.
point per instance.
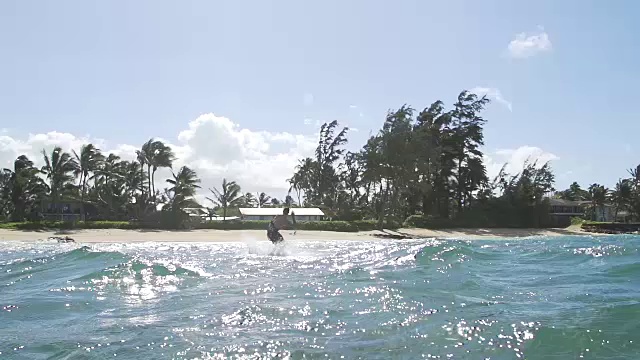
(239, 88)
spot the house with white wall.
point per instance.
(267, 213)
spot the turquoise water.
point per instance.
(540, 298)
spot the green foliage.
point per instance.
(497, 215)
(576, 220)
(340, 226)
(67, 225)
(423, 167)
(428, 163)
(163, 218)
(229, 194)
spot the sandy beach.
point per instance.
(127, 236)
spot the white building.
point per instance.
(302, 214)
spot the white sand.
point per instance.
(127, 236)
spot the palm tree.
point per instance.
(228, 195)
(59, 169)
(598, 194)
(211, 213)
(621, 195)
(88, 161)
(289, 201)
(249, 200)
(155, 154)
(22, 189)
(263, 199)
(183, 188)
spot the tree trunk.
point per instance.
(153, 185)
(149, 181)
(142, 178)
(83, 178)
(383, 204)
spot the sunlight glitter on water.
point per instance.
(377, 300)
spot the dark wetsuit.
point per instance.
(273, 233)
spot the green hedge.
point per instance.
(341, 226)
(475, 220)
(67, 225)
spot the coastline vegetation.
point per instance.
(421, 169)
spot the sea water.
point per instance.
(538, 298)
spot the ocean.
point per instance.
(540, 298)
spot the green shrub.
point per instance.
(66, 225)
(368, 225)
(340, 226)
(233, 225)
(576, 220)
(429, 222)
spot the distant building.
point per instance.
(65, 210)
(567, 207)
(563, 210)
(302, 214)
(607, 213)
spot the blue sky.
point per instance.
(124, 71)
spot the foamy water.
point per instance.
(541, 298)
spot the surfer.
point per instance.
(278, 223)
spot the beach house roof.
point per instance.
(273, 211)
(562, 202)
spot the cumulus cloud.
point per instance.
(526, 45)
(214, 146)
(493, 94)
(515, 159)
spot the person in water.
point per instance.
(278, 223)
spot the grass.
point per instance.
(339, 226)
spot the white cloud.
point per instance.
(526, 45)
(515, 159)
(492, 93)
(214, 146)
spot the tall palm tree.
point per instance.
(155, 154)
(184, 185)
(23, 189)
(598, 194)
(621, 195)
(289, 201)
(88, 161)
(59, 168)
(5, 193)
(162, 157)
(263, 199)
(228, 195)
(249, 200)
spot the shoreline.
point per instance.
(216, 236)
